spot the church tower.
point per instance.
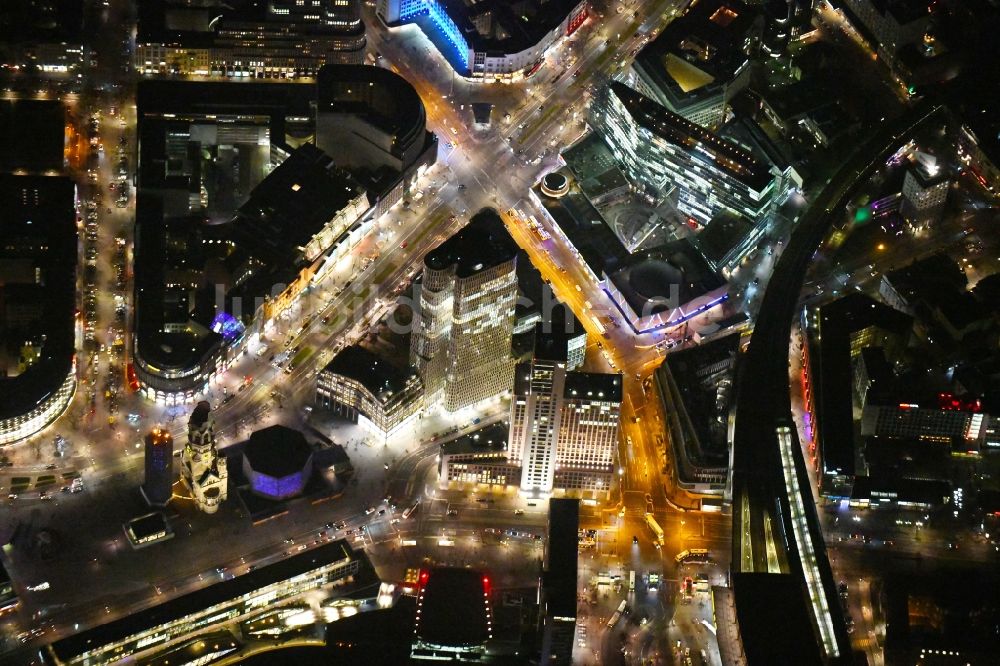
(202, 469)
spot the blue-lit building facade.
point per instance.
(159, 467)
(283, 487)
(434, 20)
(490, 40)
(277, 462)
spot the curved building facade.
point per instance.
(363, 388)
(369, 117)
(37, 301)
(490, 40)
(17, 424)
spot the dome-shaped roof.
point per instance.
(277, 451)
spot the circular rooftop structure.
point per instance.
(555, 184)
(653, 278)
(277, 461)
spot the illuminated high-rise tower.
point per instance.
(461, 342)
(563, 425)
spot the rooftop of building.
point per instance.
(149, 525)
(586, 229)
(561, 553)
(32, 132)
(501, 26)
(722, 233)
(380, 96)
(777, 601)
(903, 11)
(665, 278)
(928, 610)
(453, 607)
(285, 109)
(578, 385)
(606, 387)
(157, 304)
(702, 376)
(221, 592)
(798, 99)
(489, 438)
(277, 451)
(877, 367)
(594, 166)
(856, 311)
(928, 277)
(291, 205)
(940, 283)
(378, 376)
(554, 333)
(159, 437)
(37, 277)
(482, 244)
(383, 637)
(53, 21)
(749, 135)
(198, 24)
(554, 322)
(158, 98)
(701, 50)
(275, 217)
(550, 348)
(987, 291)
(891, 462)
(725, 155)
(250, 237)
(928, 175)
(834, 380)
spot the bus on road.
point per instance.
(613, 620)
(656, 529)
(693, 556)
(409, 512)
